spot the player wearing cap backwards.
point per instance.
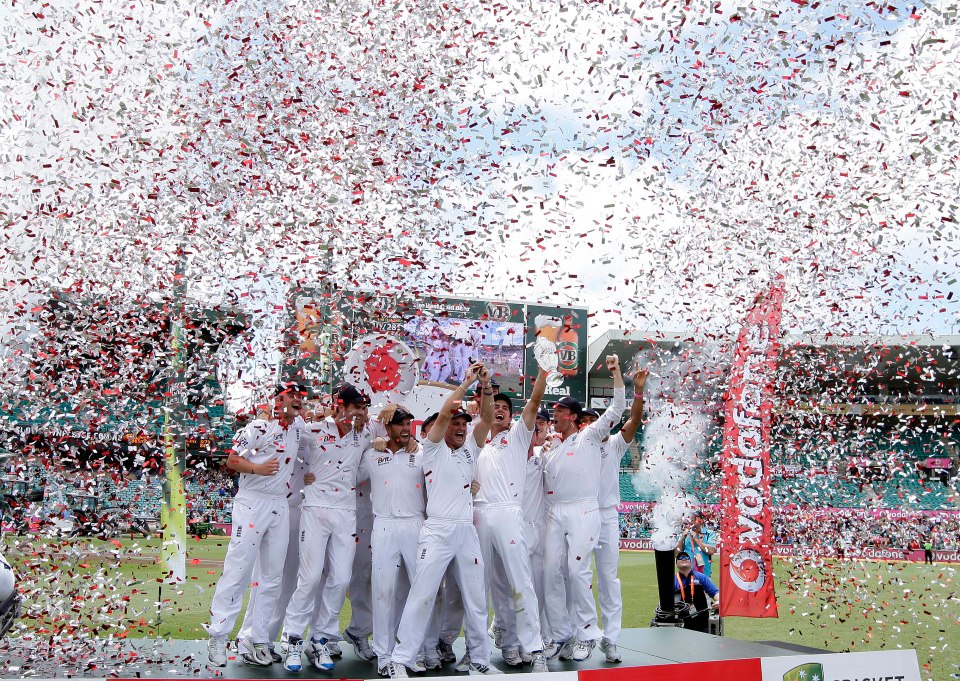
(607, 552)
(327, 528)
(572, 484)
(265, 453)
(448, 534)
(501, 472)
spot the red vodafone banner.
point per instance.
(746, 561)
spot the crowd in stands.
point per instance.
(847, 528)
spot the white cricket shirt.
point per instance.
(534, 505)
(395, 483)
(335, 463)
(613, 451)
(501, 466)
(448, 475)
(572, 467)
(261, 440)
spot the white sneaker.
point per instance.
(333, 647)
(566, 651)
(610, 650)
(217, 651)
(583, 650)
(274, 655)
(256, 654)
(525, 657)
(361, 646)
(396, 670)
(539, 664)
(318, 654)
(485, 669)
(432, 662)
(552, 648)
(496, 633)
(445, 651)
(464, 664)
(419, 666)
(293, 662)
(511, 656)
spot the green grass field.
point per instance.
(91, 587)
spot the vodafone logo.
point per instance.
(747, 570)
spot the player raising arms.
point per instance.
(572, 484)
(448, 534)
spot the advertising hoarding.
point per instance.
(415, 350)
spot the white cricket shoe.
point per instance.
(293, 662)
(567, 650)
(496, 633)
(610, 650)
(511, 656)
(464, 664)
(396, 670)
(445, 651)
(539, 664)
(217, 651)
(256, 654)
(318, 654)
(361, 646)
(583, 650)
(485, 669)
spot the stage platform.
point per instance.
(146, 658)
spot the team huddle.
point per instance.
(424, 535)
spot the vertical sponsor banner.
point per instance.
(746, 562)
(571, 350)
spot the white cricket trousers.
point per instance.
(360, 590)
(288, 582)
(326, 535)
(573, 530)
(442, 542)
(395, 542)
(500, 530)
(607, 555)
(259, 533)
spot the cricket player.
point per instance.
(299, 478)
(607, 552)
(498, 516)
(265, 453)
(448, 534)
(395, 480)
(327, 529)
(572, 485)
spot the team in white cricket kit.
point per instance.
(545, 502)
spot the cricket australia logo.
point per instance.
(811, 671)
